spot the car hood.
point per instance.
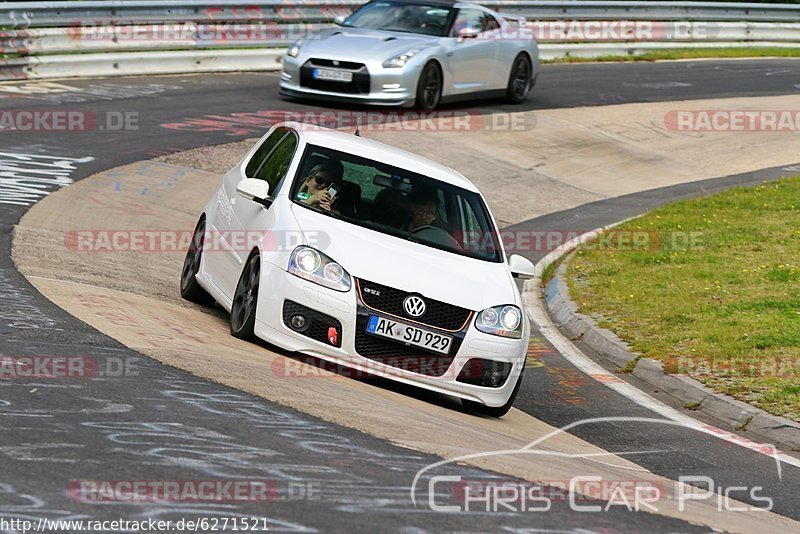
(391, 261)
(356, 44)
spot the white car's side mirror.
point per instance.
(520, 267)
(339, 20)
(468, 32)
(255, 190)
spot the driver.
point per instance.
(424, 208)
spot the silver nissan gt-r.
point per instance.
(416, 53)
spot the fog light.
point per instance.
(485, 373)
(298, 322)
(497, 378)
(391, 86)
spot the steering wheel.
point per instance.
(434, 234)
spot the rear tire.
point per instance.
(190, 289)
(429, 87)
(245, 300)
(495, 411)
(520, 80)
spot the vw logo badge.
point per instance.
(414, 306)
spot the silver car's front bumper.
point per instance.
(387, 87)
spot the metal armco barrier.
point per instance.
(126, 37)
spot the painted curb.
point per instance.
(693, 394)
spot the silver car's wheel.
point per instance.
(519, 81)
(429, 87)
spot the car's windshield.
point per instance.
(397, 202)
(428, 19)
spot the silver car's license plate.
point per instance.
(333, 75)
(410, 335)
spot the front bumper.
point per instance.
(385, 87)
(278, 286)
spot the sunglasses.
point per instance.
(320, 180)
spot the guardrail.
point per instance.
(126, 37)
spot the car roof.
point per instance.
(448, 3)
(375, 150)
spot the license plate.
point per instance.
(333, 75)
(410, 335)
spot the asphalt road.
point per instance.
(163, 424)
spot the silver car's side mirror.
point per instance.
(520, 267)
(255, 190)
(339, 20)
(469, 32)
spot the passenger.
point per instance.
(314, 190)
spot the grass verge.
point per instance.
(687, 53)
(711, 287)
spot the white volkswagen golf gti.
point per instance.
(342, 248)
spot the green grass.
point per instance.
(688, 53)
(714, 292)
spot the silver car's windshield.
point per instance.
(427, 19)
(395, 201)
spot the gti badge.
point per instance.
(414, 306)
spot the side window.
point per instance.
(489, 23)
(271, 163)
(257, 161)
(472, 237)
(467, 18)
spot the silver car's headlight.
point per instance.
(505, 321)
(400, 61)
(314, 266)
(294, 48)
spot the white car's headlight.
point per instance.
(314, 266)
(505, 321)
(400, 61)
(294, 48)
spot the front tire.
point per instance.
(190, 289)
(429, 87)
(495, 411)
(245, 300)
(520, 80)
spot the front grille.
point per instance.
(395, 354)
(390, 300)
(359, 85)
(318, 323)
(347, 65)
